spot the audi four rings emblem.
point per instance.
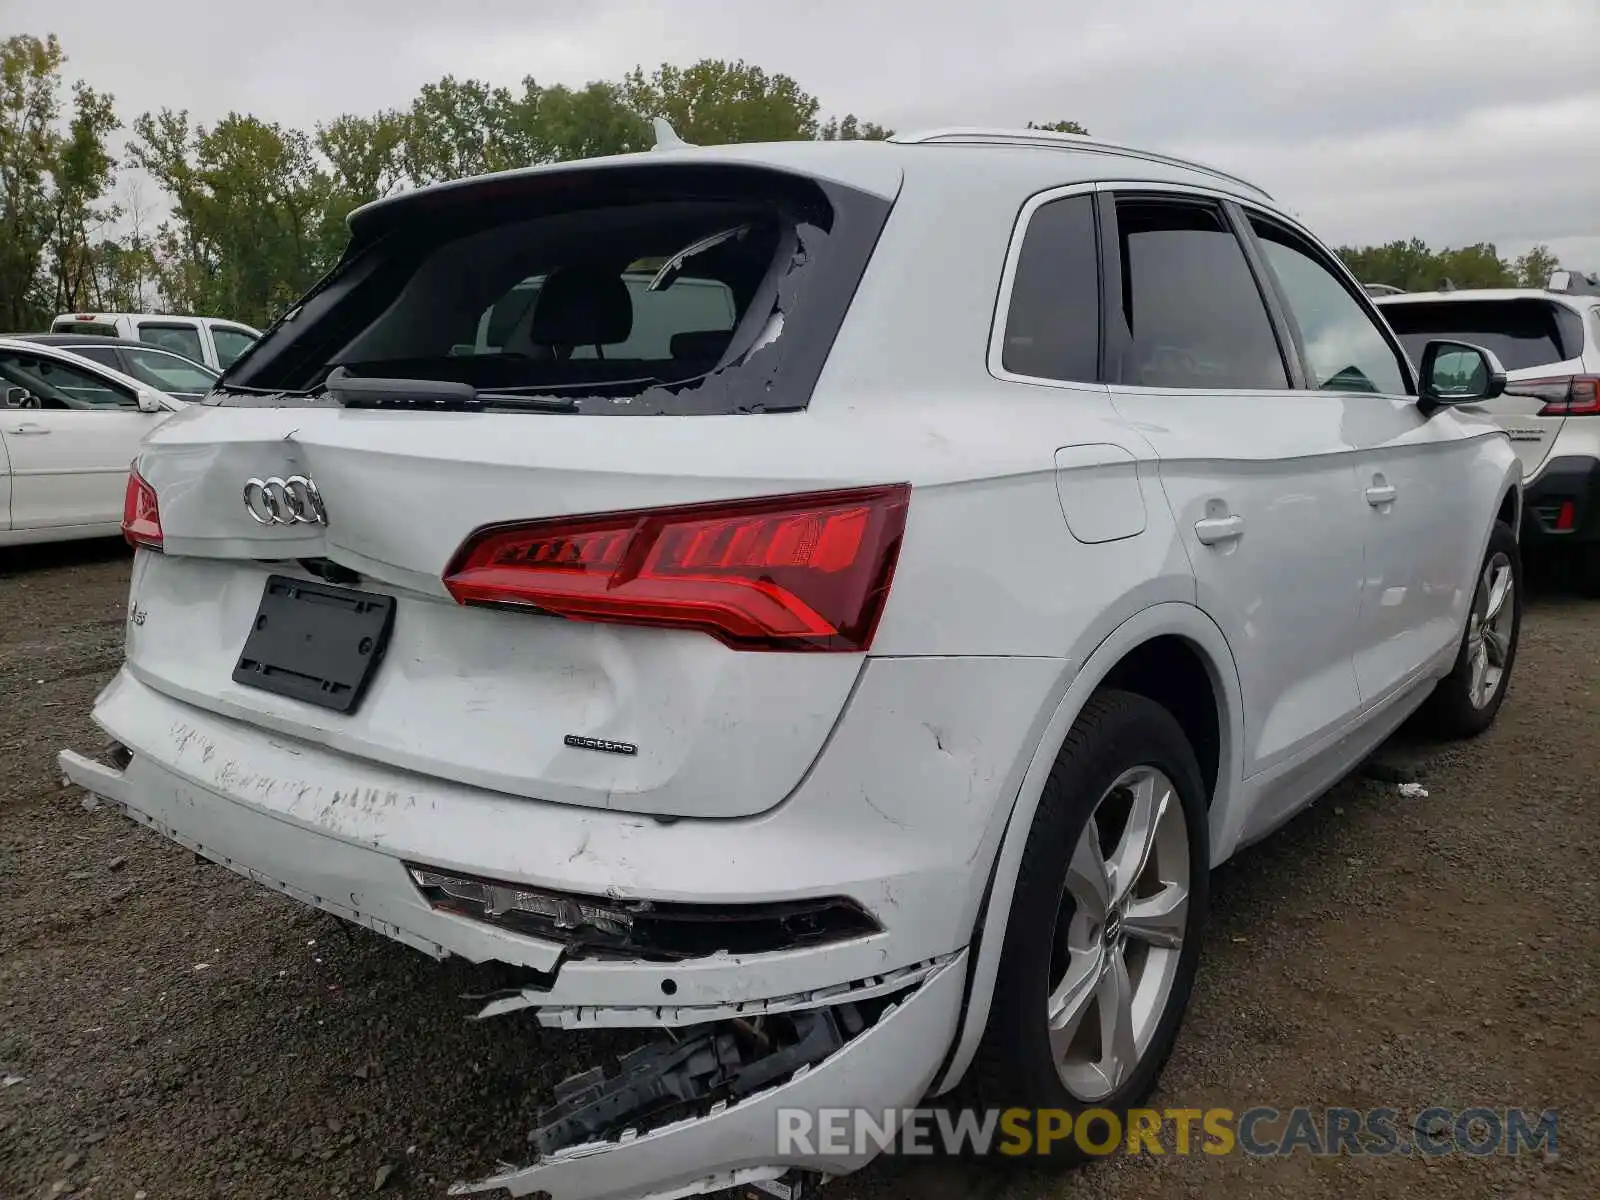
(291, 501)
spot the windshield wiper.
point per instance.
(235, 389)
(440, 395)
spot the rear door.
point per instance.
(1259, 473)
(180, 337)
(71, 446)
(1533, 337)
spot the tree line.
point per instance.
(248, 212)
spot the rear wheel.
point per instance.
(1103, 939)
(1466, 701)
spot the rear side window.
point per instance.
(180, 339)
(53, 385)
(1052, 326)
(98, 328)
(1522, 334)
(230, 344)
(1192, 314)
(639, 290)
(169, 373)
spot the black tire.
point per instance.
(1450, 711)
(1014, 1066)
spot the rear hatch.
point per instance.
(547, 539)
(1538, 341)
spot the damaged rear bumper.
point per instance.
(884, 1067)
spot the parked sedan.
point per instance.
(164, 370)
(69, 428)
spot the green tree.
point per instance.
(456, 128)
(50, 181)
(250, 211)
(84, 171)
(850, 129)
(1059, 127)
(1413, 267)
(715, 102)
(1533, 269)
(558, 123)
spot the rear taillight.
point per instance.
(806, 572)
(1568, 396)
(141, 517)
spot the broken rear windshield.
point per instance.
(706, 289)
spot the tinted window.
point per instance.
(167, 371)
(107, 354)
(230, 344)
(1520, 333)
(68, 325)
(1193, 313)
(1344, 348)
(180, 339)
(1053, 323)
(55, 385)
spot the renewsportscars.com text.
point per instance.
(1258, 1132)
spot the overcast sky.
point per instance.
(1457, 121)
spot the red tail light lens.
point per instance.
(1571, 396)
(141, 516)
(807, 572)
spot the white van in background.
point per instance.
(205, 339)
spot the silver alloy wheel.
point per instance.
(1119, 933)
(1489, 630)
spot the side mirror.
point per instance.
(1458, 373)
(17, 397)
(150, 401)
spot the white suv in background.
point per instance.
(1549, 341)
(859, 687)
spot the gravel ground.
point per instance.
(180, 1033)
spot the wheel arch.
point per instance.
(1116, 661)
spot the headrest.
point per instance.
(700, 343)
(580, 306)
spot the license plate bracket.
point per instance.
(315, 643)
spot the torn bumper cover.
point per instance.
(596, 1144)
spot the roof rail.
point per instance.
(984, 136)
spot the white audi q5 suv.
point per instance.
(835, 602)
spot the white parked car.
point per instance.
(1549, 341)
(860, 686)
(69, 431)
(209, 340)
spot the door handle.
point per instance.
(27, 427)
(1380, 494)
(1214, 530)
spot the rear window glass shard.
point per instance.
(639, 290)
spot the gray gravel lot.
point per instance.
(180, 1033)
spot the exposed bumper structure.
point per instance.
(886, 1067)
(337, 833)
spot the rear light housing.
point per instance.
(141, 515)
(798, 572)
(649, 930)
(1568, 396)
